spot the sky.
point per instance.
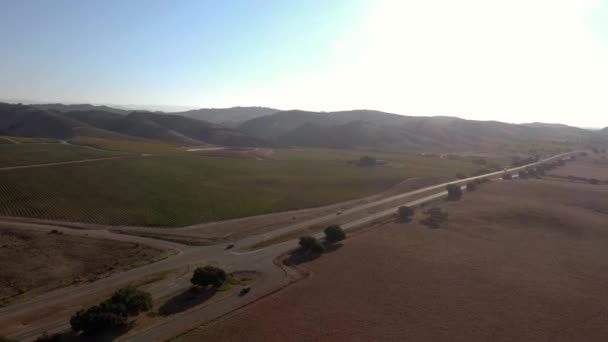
(514, 61)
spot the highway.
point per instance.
(262, 260)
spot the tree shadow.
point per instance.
(188, 299)
(332, 247)
(299, 256)
(71, 336)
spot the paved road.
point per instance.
(260, 260)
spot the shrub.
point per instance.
(507, 176)
(594, 181)
(311, 244)
(454, 192)
(405, 213)
(208, 275)
(334, 233)
(461, 175)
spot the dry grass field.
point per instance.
(33, 262)
(594, 166)
(516, 261)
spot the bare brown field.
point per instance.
(32, 262)
(517, 261)
(589, 167)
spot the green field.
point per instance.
(29, 154)
(138, 146)
(182, 190)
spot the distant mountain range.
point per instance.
(260, 126)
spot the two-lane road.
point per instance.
(32, 324)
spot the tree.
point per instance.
(208, 275)
(334, 233)
(405, 213)
(133, 299)
(112, 313)
(311, 244)
(454, 192)
(507, 176)
(593, 181)
(97, 319)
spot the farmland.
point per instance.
(29, 154)
(132, 146)
(516, 261)
(183, 190)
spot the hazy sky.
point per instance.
(515, 60)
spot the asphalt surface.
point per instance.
(272, 276)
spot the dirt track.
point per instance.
(517, 261)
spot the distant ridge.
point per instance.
(24, 120)
(292, 128)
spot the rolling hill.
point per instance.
(229, 117)
(365, 128)
(23, 120)
(294, 128)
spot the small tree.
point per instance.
(133, 299)
(594, 181)
(311, 244)
(507, 176)
(208, 275)
(461, 175)
(454, 192)
(405, 213)
(334, 233)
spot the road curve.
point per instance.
(260, 260)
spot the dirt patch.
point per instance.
(516, 261)
(33, 262)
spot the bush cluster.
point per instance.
(208, 275)
(310, 244)
(334, 233)
(405, 213)
(113, 313)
